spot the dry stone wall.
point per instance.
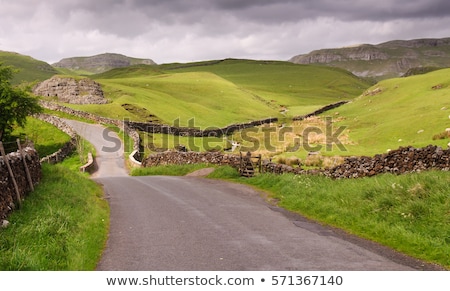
(7, 190)
(400, 161)
(321, 110)
(195, 132)
(182, 158)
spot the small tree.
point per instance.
(15, 103)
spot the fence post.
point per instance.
(19, 199)
(27, 171)
(260, 163)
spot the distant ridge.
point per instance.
(385, 60)
(100, 63)
(29, 69)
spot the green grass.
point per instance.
(46, 137)
(407, 111)
(409, 213)
(30, 70)
(155, 142)
(61, 226)
(169, 170)
(221, 93)
(209, 99)
(286, 84)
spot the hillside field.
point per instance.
(29, 69)
(398, 112)
(221, 93)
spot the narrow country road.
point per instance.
(191, 223)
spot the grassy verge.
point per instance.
(169, 170)
(409, 213)
(46, 137)
(62, 225)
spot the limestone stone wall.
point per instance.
(181, 158)
(403, 160)
(400, 161)
(8, 194)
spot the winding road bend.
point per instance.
(196, 224)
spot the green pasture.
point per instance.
(29, 69)
(399, 112)
(220, 93)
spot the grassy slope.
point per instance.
(407, 112)
(211, 100)
(30, 70)
(46, 137)
(61, 226)
(220, 93)
(301, 88)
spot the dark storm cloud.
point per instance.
(343, 9)
(133, 17)
(119, 16)
(181, 30)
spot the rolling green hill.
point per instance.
(300, 88)
(219, 93)
(398, 112)
(98, 63)
(30, 69)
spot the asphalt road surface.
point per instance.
(196, 224)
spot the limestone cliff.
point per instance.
(390, 59)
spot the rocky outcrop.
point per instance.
(70, 90)
(101, 63)
(357, 53)
(390, 59)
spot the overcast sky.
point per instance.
(192, 30)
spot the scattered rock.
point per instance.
(373, 92)
(5, 223)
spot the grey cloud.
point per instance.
(186, 30)
(133, 17)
